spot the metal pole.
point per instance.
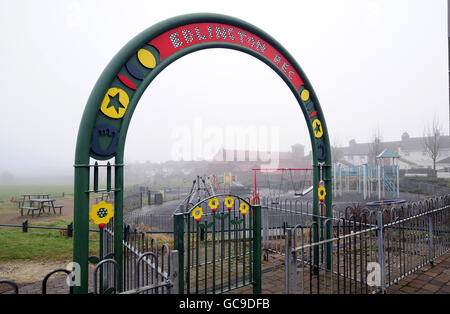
(398, 182)
(118, 221)
(430, 238)
(365, 181)
(381, 253)
(256, 249)
(174, 272)
(25, 225)
(379, 181)
(81, 225)
(178, 241)
(316, 214)
(287, 260)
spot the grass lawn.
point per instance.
(14, 191)
(40, 244)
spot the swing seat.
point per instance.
(304, 192)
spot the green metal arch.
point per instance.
(90, 118)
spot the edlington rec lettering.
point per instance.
(194, 34)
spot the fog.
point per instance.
(373, 64)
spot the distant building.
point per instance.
(241, 162)
(410, 149)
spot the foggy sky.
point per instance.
(373, 64)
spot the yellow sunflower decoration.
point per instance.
(243, 208)
(229, 201)
(213, 203)
(101, 213)
(197, 213)
(322, 193)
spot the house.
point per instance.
(410, 149)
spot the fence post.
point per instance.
(25, 225)
(430, 239)
(70, 230)
(256, 249)
(265, 229)
(174, 273)
(287, 255)
(381, 253)
(178, 241)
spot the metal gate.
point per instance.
(149, 267)
(219, 245)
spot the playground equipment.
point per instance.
(379, 180)
(368, 180)
(385, 203)
(221, 183)
(298, 180)
(200, 189)
(110, 107)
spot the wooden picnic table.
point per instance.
(105, 196)
(42, 203)
(25, 196)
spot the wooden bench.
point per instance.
(54, 207)
(28, 208)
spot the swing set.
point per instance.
(286, 174)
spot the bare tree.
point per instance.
(432, 140)
(375, 146)
(336, 150)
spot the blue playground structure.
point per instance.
(380, 179)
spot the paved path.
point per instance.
(427, 280)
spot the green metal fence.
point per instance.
(219, 240)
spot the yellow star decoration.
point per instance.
(197, 213)
(322, 193)
(229, 201)
(213, 203)
(317, 128)
(101, 213)
(111, 111)
(243, 208)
